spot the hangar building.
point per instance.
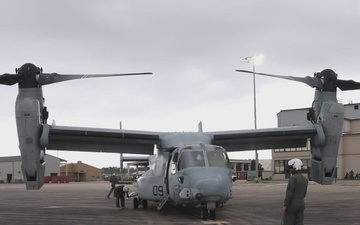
(10, 168)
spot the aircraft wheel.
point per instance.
(212, 214)
(136, 203)
(144, 204)
(204, 213)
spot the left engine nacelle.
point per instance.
(29, 127)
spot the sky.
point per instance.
(192, 48)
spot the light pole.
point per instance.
(255, 60)
(121, 155)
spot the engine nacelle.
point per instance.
(29, 127)
(324, 157)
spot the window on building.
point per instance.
(246, 166)
(356, 107)
(238, 167)
(279, 167)
(306, 165)
(298, 149)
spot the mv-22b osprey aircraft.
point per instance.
(186, 168)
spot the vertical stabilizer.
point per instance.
(200, 128)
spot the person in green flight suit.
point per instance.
(119, 193)
(294, 203)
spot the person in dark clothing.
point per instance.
(120, 192)
(294, 203)
(113, 181)
(351, 175)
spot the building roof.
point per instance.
(18, 158)
(240, 160)
(61, 160)
(79, 163)
(348, 107)
(10, 159)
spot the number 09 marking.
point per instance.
(158, 190)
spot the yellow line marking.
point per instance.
(215, 222)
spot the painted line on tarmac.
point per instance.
(53, 207)
(273, 185)
(215, 222)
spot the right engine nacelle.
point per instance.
(324, 157)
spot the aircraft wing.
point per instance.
(142, 142)
(99, 140)
(282, 137)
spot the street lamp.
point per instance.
(255, 60)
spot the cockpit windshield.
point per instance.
(196, 158)
(191, 159)
(217, 158)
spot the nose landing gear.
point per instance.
(205, 214)
(138, 201)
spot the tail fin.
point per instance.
(200, 128)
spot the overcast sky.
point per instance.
(193, 49)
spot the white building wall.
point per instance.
(292, 117)
(14, 168)
(52, 165)
(352, 111)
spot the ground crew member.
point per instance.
(113, 181)
(294, 204)
(119, 193)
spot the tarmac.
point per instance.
(252, 204)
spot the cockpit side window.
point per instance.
(174, 163)
(175, 157)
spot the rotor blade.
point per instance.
(10, 79)
(49, 78)
(311, 81)
(346, 85)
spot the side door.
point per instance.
(173, 186)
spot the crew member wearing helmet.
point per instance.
(294, 204)
(119, 193)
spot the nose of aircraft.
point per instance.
(211, 185)
(214, 187)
